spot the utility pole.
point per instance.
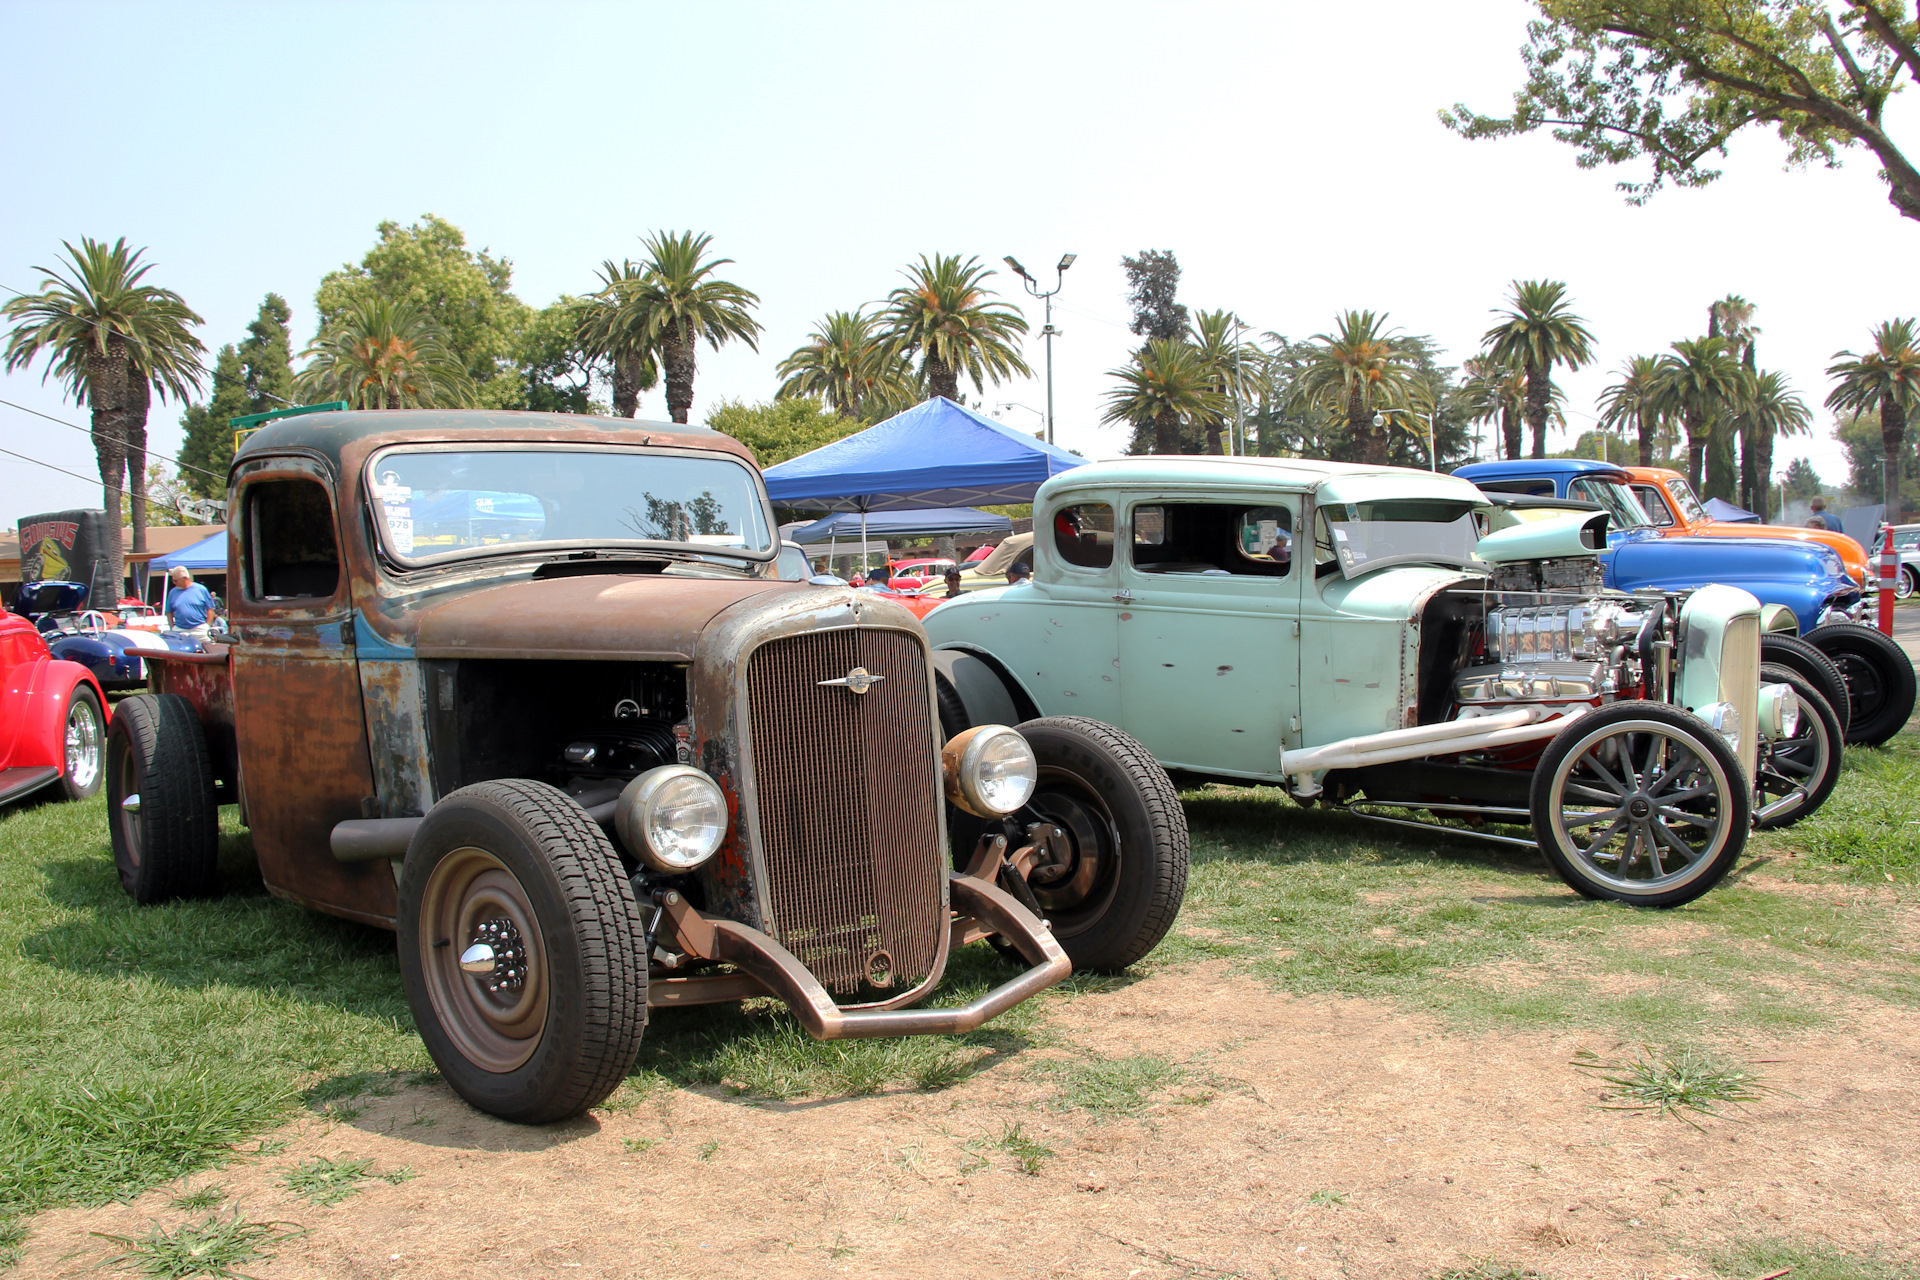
(1048, 332)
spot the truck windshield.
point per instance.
(442, 504)
(1362, 536)
(1689, 505)
(1614, 498)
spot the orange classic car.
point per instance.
(1672, 505)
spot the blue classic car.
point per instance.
(74, 634)
(1806, 578)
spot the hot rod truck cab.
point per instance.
(528, 690)
(1370, 638)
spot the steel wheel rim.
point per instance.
(1665, 767)
(1075, 898)
(1865, 691)
(467, 891)
(83, 744)
(132, 830)
(1903, 586)
(1796, 762)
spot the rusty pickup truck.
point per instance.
(528, 690)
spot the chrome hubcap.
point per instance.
(83, 745)
(496, 956)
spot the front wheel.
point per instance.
(161, 813)
(1798, 772)
(83, 746)
(1903, 585)
(1637, 802)
(1879, 676)
(1111, 881)
(522, 951)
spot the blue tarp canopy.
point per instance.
(846, 525)
(1722, 510)
(936, 454)
(209, 555)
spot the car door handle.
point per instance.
(1123, 596)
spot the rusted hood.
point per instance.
(613, 617)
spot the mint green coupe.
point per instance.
(1383, 640)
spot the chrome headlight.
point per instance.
(989, 770)
(1779, 711)
(673, 818)
(1724, 719)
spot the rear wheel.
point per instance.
(1879, 676)
(522, 951)
(161, 813)
(1640, 803)
(1903, 586)
(1802, 768)
(1811, 665)
(83, 748)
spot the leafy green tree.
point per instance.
(1633, 400)
(1671, 81)
(848, 362)
(1886, 378)
(556, 374)
(113, 341)
(1700, 383)
(676, 301)
(1153, 281)
(1800, 482)
(467, 297)
(1165, 387)
(1214, 337)
(1281, 424)
(783, 428)
(1496, 391)
(1732, 318)
(612, 326)
(254, 377)
(1773, 410)
(1355, 371)
(1859, 435)
(1601, 446)
(943, 318)
(380, 354)
(1540, 331)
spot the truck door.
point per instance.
(1209, 644)
(301, 735)
(1075, 658)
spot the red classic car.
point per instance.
(53, 717)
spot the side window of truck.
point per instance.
(1656, 506)
(1228, 538)
(288, 545)
(1083, 535)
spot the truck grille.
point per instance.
(849, 808)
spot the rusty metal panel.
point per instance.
(395, 706)
(849, 826)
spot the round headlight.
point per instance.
(1724, 717)
(989, 770)
(673, 818)
(1779, 711)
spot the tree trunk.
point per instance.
(1696, 447)
(626, 387)
(1539, 384)
(1510, 431)
(139, 400)
(1166, 432)
(1723, 477)
(1369, 445)
(1213, 436)
(1749, 463)
(1763, 468)
(944, 380)
(107, 375)
(1645, 424)
(1893, 435)
(677, 358)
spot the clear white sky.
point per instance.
(1287, 152)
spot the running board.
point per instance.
(15, 783)
(1430, 828)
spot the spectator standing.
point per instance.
(953, 581)
(1821, 520)
(189, 606)
(1018, 572)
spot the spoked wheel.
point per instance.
(85, 746)
(1797, 773)
(522, 951)
(1639, 803)
(1879, 676)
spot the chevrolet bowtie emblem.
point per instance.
(859, 680)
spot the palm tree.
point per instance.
(1699, 383)
(608, 327)
(1773, 409)
(1539, 333)
(1166, 386)
(114, 342)
(1227, 361)
(1494, 391)
(1886, 378)
(675, 303)
(942, 316)
(1633, 398)
(1732, 318)
(848, 363)
(1361, 367)
(380, 353)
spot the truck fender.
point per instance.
(984, 691)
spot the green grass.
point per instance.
(1807, 1260)
(216, 1248)
(1869, 829)
(1489, 1271)
(321, 1181)
(1113, 1086)
(1673, 1083)
(1028, 1155)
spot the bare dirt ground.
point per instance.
(1301, 1138)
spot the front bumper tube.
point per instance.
(782, 974)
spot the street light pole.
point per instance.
(1048, 332)
(1433, 457)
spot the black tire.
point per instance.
(1879, 676)
(1634, 753)
(1811, 665)
(167, 844)
(1121, 872)
(1810, 759)
(84, 745)
(521, 865)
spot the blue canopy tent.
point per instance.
(1723, 510)
(903, 524)
(209, 555)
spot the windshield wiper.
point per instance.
(578, 564)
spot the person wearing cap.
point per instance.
(1018, 572)
(953, 581)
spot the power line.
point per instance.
(93, 480)
(74, 426)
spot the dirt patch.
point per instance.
(1296, 1137)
